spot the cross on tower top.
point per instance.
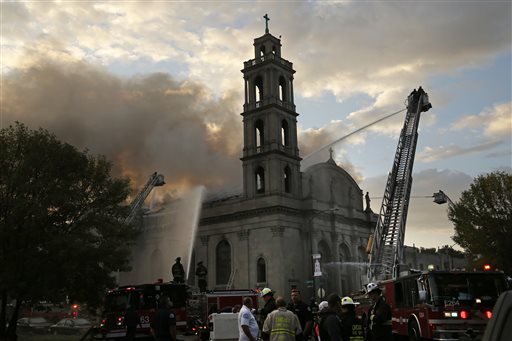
(330, 152)
(266, 22)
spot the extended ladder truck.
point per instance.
(387, 243)
(154, 180)
(444, 305)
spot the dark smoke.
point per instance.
(142, 124)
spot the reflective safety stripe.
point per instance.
(387, 323)
(356, 338)
(281, 331)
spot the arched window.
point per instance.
(287, 179)
(260, 180)
(261, 271)
(285, 133)
(282, 89)
(260, 135)
(344, 254)
(362, 256)
(223, 262)
(258, 87)
(324, 251)
(262, 50)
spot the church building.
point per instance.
(288, 228)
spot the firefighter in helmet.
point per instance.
(178, 272)
(270, 303)
(352, 325)
(379, 316)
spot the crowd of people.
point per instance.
(336, 319)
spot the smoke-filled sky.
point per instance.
(156, 86)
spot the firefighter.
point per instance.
(281, 324)
(352, 325)
(178, 272)
(270, 303)
(303, 312)
(379, 316)
(201, 273)
(163, 324)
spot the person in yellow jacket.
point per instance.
(281, 324)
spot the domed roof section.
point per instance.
(327, 182)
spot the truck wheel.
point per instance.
(414, 332)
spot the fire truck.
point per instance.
(434, 305)
(440, 304)
(145, 299)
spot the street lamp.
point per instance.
(315, 258)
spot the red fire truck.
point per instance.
(144, 298)
(441, 305)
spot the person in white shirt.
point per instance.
(247, 325)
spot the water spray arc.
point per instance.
(350, 134)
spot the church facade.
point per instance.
(287, 225)
(289, 228)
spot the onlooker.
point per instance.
(330, 322)
(303, 312)
(281, 324)
(247, 325)
(163, 326)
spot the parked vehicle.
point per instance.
(37, 325)
(70, 326)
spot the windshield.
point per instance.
(466, 288)
(117, 301)
(145, 297)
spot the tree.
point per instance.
(483, 220)
(61, 222)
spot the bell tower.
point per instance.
(271, 162)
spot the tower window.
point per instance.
(285, 134)
(258, 87)
(223, 262)
(287, 179)
(260, 180)
(262, 50)
(282, 89)
(261, 271)
(260, 135)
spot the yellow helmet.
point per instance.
(347, 300)
(266, 291)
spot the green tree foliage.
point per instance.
(61, 221)
(483, 220)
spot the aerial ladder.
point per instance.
(154, 180)
(386, 245)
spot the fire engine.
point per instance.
(144, 298)
(435, 304)
(440, 304)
